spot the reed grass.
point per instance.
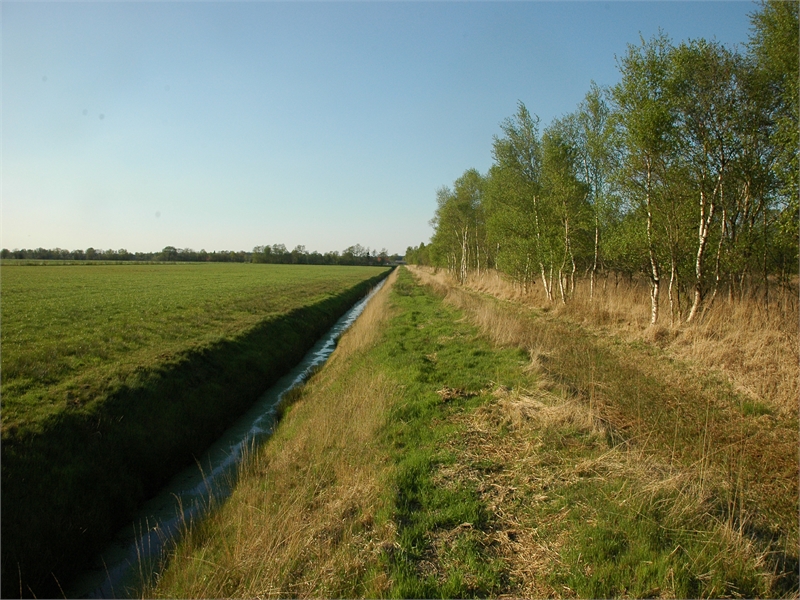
(755, 345)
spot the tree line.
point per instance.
(274, 254)
(686, 171)
(352, 255)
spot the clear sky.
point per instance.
(225, 125)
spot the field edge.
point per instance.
(68, 485)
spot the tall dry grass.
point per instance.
(655, 394)
(755, 347)
(729, 477)
(301, 521)
(509, 430)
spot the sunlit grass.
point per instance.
(444, 368)
(77, 326)
(303, 518)
(115, 377)
(677, 460)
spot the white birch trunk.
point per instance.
(702, 241)
(656, 281)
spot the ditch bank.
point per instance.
(69, 485)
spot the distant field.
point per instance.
(48, 262)
(67, 330)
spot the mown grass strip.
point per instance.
(71, 479)
(443, 368)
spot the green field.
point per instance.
(68, 331)
(116, 376)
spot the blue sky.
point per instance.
(225, 125)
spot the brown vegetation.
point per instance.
(301, 521)
(674, 402)
(756, 347)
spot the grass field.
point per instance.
(114, 377)
(457, 445)
(67, 330)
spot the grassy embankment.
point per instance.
(473, 447)
(115, 376)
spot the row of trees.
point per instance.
(685, 171)
(352, 255)
(88, 254)
(276, 254)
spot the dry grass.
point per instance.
(757, 348)
(529, 557)
(301, 522)
(572, 353)
(512, 431)
(545, 461)
(732, 476)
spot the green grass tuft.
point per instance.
(441, 528)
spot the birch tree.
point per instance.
(514, 211)
(707, 98)
(644, 112)
(567, 197)
(595, 146)
(459, 238)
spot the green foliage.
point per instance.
(685, 170)
(459, 243)
(514, 208)
(275, 254)
(567, 196)
(419, 255)
(774, 43)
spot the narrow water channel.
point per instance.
(138, 548)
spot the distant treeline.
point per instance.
(686, 171)
(275, 254)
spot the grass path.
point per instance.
(457, 446)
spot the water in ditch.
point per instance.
(138, 548)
